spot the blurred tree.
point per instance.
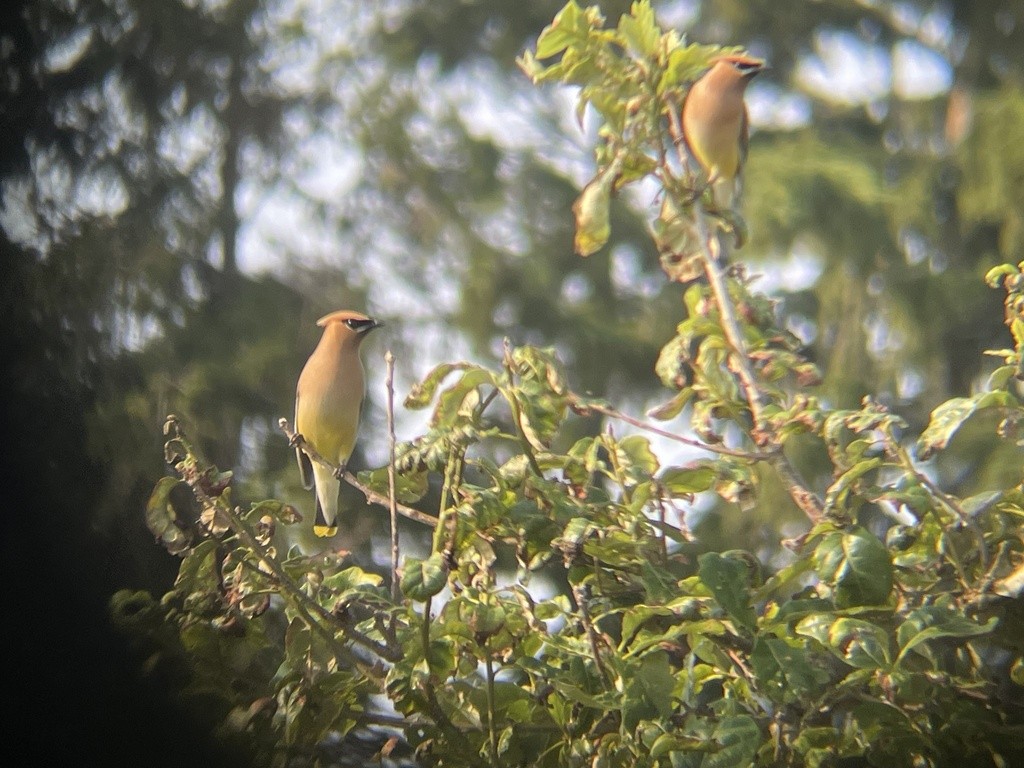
(392, 156)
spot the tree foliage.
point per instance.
(565, 613)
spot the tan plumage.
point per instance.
(328, 400)
(715, 126)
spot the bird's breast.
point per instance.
(328, 401)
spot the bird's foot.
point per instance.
(697, 193)
(339, 473)
(734, 223)
(295, 439)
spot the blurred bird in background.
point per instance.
(328, 400)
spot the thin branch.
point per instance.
(389, 359)
(372, 497)
(581, 404)
(492, 733)
(591, 630)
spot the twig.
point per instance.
(591, 630)
(491, 732)
(389, 359)
(582, 404)
(372, 497)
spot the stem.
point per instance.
(492, 734)
(620, 476)
(433, 705)
(660, 502)
(591, 630)
(389, 359)
(943, 499)
(452, 473)
(517, 415)
(425, 627)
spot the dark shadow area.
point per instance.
(75, 690)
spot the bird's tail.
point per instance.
(321, 527)
(327, 488)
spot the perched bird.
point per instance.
(715, 128)
(328, 400)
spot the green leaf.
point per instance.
(352, 577)
(639, 29)
(860, 643)
(682, 482)
(994, 277)
(786, 671)
(839, 491)
(728, 576)
(933, 622)
(951, 415)
(410, 485)
(856, 565)
(892, 733)
(1017, 671)
(422, 393)
(592, 212)
(601, 701)
(740, 737)
(667, 743)
(635, 456)
(458, 401)
(633, 618)
(669, 410)
(198, 573)
(649, 689)
(162, 515)
(686, 64)
(561, 32)
(422, 579)
(1011, 585)
(1001, 377)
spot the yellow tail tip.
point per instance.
(325, 531)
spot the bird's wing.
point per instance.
(690, 156)
(305, 465)
(744, 145)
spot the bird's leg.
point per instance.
(734, 223)
(698, 192)
(340, 471)
(295, 440)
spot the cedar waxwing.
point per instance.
(715, 124)
(328, 399)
